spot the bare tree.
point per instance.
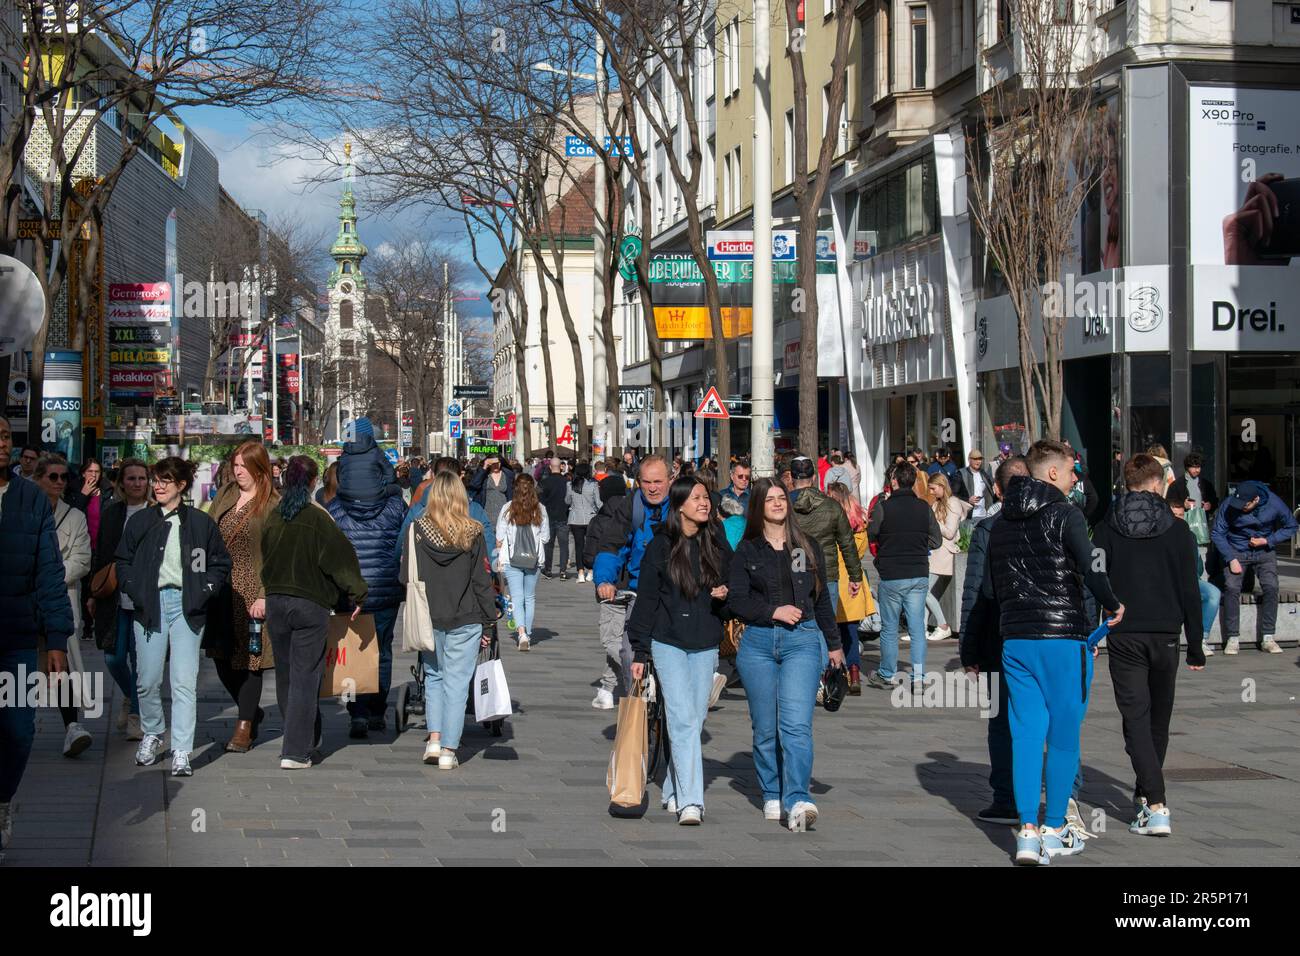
(809, 191)
(1035, 170)
(415, 285)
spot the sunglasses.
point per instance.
(57, 475)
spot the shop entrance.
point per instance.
(1263, 409)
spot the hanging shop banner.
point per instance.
(61, 405)
(1244, 228)
(680, 308)
(139, 356)
(482, 449)
(133, 302)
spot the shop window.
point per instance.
(1149, 395)
(902, 206)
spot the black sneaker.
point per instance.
(359, 730)
(998, 814)
(548, 575)
(378, 724)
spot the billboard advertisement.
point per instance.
(1244, 217)
(677, 288)
(133, 302)
(61, 405)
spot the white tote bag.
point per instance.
(491, 693)
(417, 625)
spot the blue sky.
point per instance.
(261, 174)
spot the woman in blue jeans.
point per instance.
(677, 621)
(522, 520)
(451, 561)
(778, 588)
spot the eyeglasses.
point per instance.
(163, 481)
(977, 459)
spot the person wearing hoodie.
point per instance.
(365, 473)
(1042, 560)
(492, 487)
(33, 605)
(838, 471)
(1151, 557)
(451, 560)
(1248, 527)
(372, 524)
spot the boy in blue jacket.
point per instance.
(1247, 530)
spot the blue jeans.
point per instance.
(1210, 598)
(685, 679)
(374, 705)
(151, 653)
(523, 594)
(120, 661)
(1048, 681)
(780, 667)
(17, 723)
(905, 595)
(446, 680)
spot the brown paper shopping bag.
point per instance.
(626, 777)
(351, 657)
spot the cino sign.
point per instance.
(905, 313)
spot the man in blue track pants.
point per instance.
(1041, 559)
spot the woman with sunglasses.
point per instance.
(778, 588)
(51, 475)
(677, 621)
(171, 562)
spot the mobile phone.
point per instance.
(1284, 243)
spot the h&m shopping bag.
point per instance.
(491, 692)
(351, 657)
(626, 777)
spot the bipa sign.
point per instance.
(738, 245)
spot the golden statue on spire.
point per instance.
(347, 150)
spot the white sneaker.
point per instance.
(447, 760)
(671, 805)
(151, 747)
(690, 816)
(76, 740)
(905, 638)
(524, 642)
(942, 633)
(1271, 646)
(719, 683)
(287, 763)
(604, 700)
(181, 764)
(1206, 649)
(1074, 821)
(771, 809)
(432, 750)
(802, 816)
(1231, 646)
(133, 729)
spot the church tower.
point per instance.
(347, 331)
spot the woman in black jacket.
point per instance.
(170, 563)
(778, 588)
(677, 620)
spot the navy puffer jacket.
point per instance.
(33, 597)
(373, 527)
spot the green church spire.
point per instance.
(348, 250)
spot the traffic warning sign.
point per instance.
(712, 406)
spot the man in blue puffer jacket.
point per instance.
(33, 602)
(1251, 524)
(372, 525)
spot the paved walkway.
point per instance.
(893, 786)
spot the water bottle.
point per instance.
(254, 637)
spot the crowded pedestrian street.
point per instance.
(895, 786)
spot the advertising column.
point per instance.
(61, 405)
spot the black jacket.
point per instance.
(1041, 557)
(662, 613)
(457, 582)
(205, 564)
(966, 485)
(111, 522)
(906, 531)
(1151, 557)
(754, 588)
(980, 639)
(33, 597)
(478, 485)
(550, 493)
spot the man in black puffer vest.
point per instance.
(1152, 556)
(1041, 558)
